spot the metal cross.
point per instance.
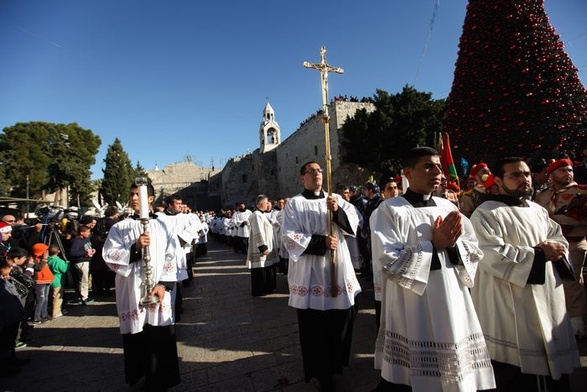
(324, 68)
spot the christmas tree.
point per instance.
(515, 90)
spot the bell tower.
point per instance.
(269, 133)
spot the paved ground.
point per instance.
(228, 341)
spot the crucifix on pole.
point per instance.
(324, 68)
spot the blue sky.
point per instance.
(176, 79)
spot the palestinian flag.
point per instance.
(448, 164)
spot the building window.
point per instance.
(297, 161)
(315, 150)
(244, 178)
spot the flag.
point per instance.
(448, 163)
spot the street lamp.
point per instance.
(27, 172)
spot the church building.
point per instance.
(273, 168)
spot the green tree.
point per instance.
(118, 174)
(55, 156)
(377, 140)
(139, 171)
(515, 90)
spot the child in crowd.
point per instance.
(81, 253)
(25, 286)
(11, 314)
(43, 279)
(59, 268)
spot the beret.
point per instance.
(558, 164)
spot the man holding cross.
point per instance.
(325, 313)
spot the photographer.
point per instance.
(35, 235)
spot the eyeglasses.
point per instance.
(518, 175)
(313, 171)
(10, 221)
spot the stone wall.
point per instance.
(274, 173)
(188, 180)
(307, 143)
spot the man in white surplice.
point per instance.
(325, 321)
(430, 338)
(518, 291)
(148, 334)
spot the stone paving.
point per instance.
(227, 341)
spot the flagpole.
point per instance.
(324, 68)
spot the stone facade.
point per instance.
(276, 172)
(188, 180)
(272, 169)
(307, 144)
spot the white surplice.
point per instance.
(309, 275)
(129, 276)
(261, 233)
(184, 227)
(525, 325)
(430, 337)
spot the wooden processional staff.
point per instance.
(324, 68)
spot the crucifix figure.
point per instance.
(324, 68)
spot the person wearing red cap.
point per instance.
(472, 198)
(566, 201)
(6, 231)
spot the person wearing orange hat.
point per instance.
(42, 283)
(471, 198)
(566, 202)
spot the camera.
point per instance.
(49, 214)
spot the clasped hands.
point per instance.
(446, 232)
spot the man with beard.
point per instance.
(566, 201)
(518, 292)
